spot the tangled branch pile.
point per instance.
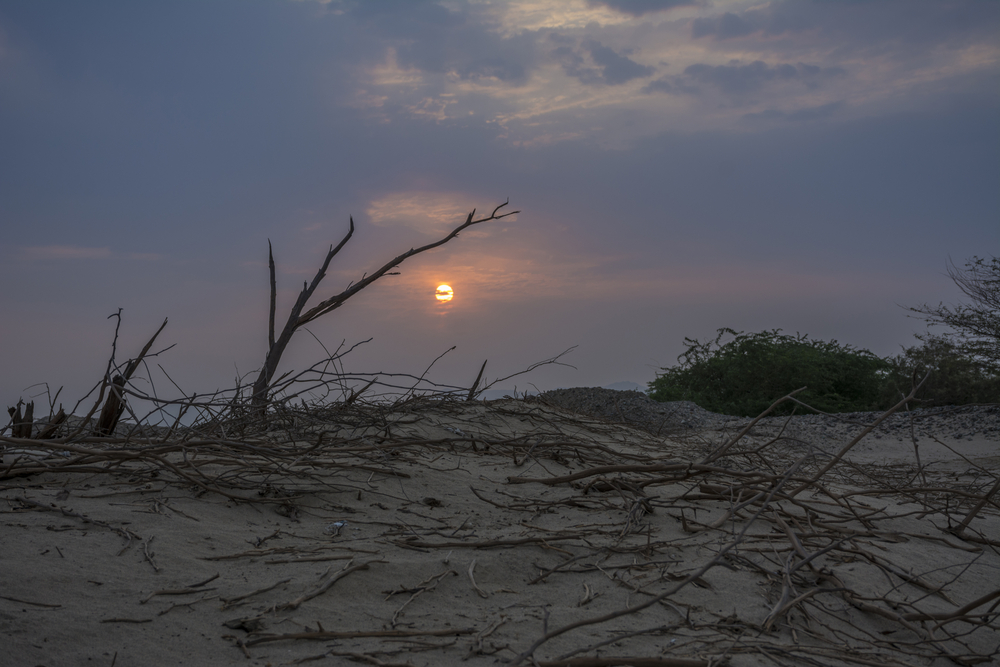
(511, 530)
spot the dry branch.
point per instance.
(631, 661)
(694, 576)
(115, 405)
(296, 318)
(849, 446)
(355, 634)
(324, 586)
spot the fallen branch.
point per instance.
(355, 634)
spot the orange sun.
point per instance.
(444, 293)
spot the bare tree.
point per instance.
(977, 325)
(297, 319)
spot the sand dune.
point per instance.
(454, 533)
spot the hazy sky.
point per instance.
(680, 167)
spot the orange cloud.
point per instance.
(429, 212)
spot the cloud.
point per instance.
(615, 68)
(65, 252)
(429, 212)
(722, 27)
(770, 19)
(458, 41)
(857, 24)
(737, 78)
(533, 72)
(641, 7)
(517, 16)
(661, 85)
(806, 114)
(69, 252)
(605, 66)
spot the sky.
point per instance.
(679, 166)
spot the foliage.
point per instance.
(746, 374)
(956, 378)
(976, 326)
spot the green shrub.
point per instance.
(746, 374)
(955, 377)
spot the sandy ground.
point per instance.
(461, 534)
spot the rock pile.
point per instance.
(638, 410)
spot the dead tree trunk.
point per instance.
(115, 405)
(53, 425)
(20, 425)
(296, 318)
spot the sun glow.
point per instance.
(444, 293)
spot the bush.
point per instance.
(956, 378)
(745, 375)
(975, 327)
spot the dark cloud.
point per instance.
(807, 114)
(671, 85)
(615, 68)
(463, 39)
(661, 85)
(771, 20)
(815, 113)
(574, 65)
(737, 78)
(605, 65)
(641, 7)
(915, 23)
(506, 60)
(722, 27)
(433, 38)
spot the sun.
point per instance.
(444, 293)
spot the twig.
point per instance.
(662, 596)
(472, 578)
(33, 604)
(849, 446)
(355, 634)
(229, 602)
(325, 586)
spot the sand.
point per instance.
(461, 533)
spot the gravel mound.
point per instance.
(957, 422)
(636, 409)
